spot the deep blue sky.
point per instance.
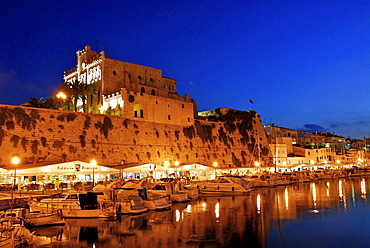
(304, 64)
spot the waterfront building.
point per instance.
(273, 132)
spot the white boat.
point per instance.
(124, 198)
(258, 180)
(87, 207)
(225, 185)
(164, 189)
(69, 199)
(152, 201)
(33, 219)
(179, 190)
(276, 179)
(15, 235)
(359, 171)
(44, 219)
(301, 176)
(128, 201)
(325, 174)
(160, 203)
(158, 188)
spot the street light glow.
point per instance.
(16, 160)
(61, 95)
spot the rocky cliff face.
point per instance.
(233, 139)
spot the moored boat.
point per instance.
(156, 189)
(225, 185)
(258, 180)
(15, 234)
(33, 219)
(87, 207)
(128, 201)
(325, 174)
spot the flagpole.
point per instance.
(250, 102)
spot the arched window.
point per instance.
(142, 90)
(152, 92)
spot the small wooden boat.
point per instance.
(33, 219)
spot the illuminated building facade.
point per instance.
(130, 90)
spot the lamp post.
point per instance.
(215, 164)
(167, 163)
(93, 164)
(312, 164)
(15, 161)
(176, 164)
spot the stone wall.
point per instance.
(53, 136)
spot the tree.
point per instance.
(36, 102)
(76, 90)
(51, 103)
(86, 90)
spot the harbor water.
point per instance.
(325, 213)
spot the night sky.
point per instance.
(304, 64)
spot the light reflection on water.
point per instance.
(326, 213)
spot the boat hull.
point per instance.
(128, 208)
(158, 204)
(82, 213)
(40, 219)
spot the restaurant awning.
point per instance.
(74, 167)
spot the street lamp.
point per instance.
(166, 163)
(93, 164)
(176, 163)
(63, 97)
(312, 163)
(15, 161)
(215, 164)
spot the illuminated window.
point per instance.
(138, 110)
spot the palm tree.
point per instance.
(50, 103)
(36, 102)
(86, 91)
(78, 90)
(72, 90)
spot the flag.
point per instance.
(250, 100)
